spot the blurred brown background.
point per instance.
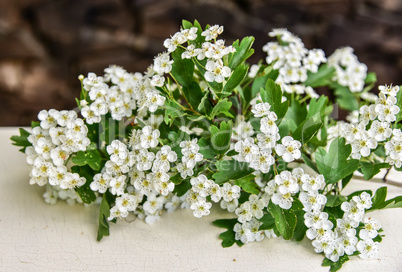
(46, 44)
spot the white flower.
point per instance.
(387, 113)
(44, 146)
(242, 129)
(312, 201)
(363, 146)
(191, 52)
(184, 170)
(163, 64)
(216, 71)
(263, 161)
(201, 208)
(289, 149)
(117, 185)
(247, 150)
(256, 206)
(267, 141)
(229, 205)
(144, 160)
(261, 109)
(62, 117)
(190, 158)
(161, 183)
(145, 185)
(368, 248)
(59, 156)
(352, 211)
(268, 125)
(172, 43)
(230, 192)
(389, 90)
(338, 251)
(243, 233)
(244, 212)
(320, 230)
(315, 219)
(349, 244)
(71, 181)
(212, 32)
(117, 151)
(371, 227)
(282, 200)
(154, 100)
(201, 185)
(190, 34)
(157, 80)
(126, 202)
(215, 192)
(47, 118)
(347, 226)
(363, 201)
(57, 175)
(164, 157)
(115, 212)
(324, 243)
(100, 183)
(393, 149)
(149, 137)
(367, 114)
(312, 183)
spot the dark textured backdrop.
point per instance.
(46, 44)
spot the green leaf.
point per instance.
(379, 199)
(321, 78)
(193, 95)
(370, 169)
(399, 104)
(248, 185)
(220, 137)
(268, 222)
(182, 69)
(21, 140)
(346, 180)
(300, 229)
(334, 164)
(104, 213)
(231, 170)
(235, 79)
(243, 52)
(86, 194)
(91, 157)
(182, 188)
(285, 220)
(335, 200)
(317, 106)
(345, 99)
(335, 266)
(222, 107)
(228, 237)
(309, 162)
(206, 149)
(370, 78)
(172, 111)
(297, 112)
(307, 130)
(273, 95)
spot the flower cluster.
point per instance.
(201, 127)
(59, 134)
(349, 71)
(372, 126)
(293, 60)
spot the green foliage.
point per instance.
(370, 169)
(172, 111)
(321, 78)
(307, 130)
(222, 107)
(285, 220)
(335, 266)
(220, 137)
(86, 194)
(268, 222)
(334, 164)
(228, 237)
(344, 97)
(300, 229)
(235, 79)
(21, 140)
(248, 184)
(104, 213)
(379, 201)
(273, 95)
(243, 52)
(335, 200)
(231, 170)
(92, 158)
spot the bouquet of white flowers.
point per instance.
(202, 126)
